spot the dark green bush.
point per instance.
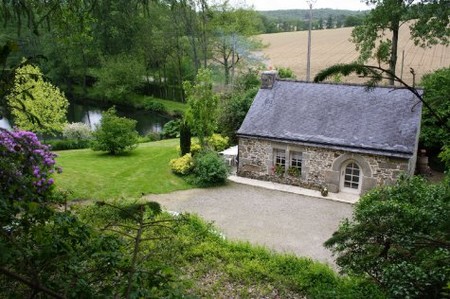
(209, 169)
(171, 129)
(115, 134)
(155, 107)
(68, 144)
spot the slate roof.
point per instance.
(383, 120)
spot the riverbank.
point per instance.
(133, 100)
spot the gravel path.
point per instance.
(281, 221)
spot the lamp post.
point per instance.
(308, 59)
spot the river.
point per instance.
(147, 121)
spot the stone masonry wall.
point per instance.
(256, 161)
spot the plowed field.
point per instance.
(334, 46)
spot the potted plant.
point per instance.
(293, 171)
(324, 191)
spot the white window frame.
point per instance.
(348, 176)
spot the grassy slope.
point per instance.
(95, 175)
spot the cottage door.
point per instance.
(351, 177)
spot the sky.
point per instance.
(302, 4)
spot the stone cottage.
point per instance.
(343, 137)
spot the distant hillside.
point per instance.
(297, 19)
(303, 14)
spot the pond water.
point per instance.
(147, 121)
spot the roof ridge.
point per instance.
(342, 84)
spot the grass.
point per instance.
(94, 175)
(207, 265)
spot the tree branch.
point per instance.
(32, 285)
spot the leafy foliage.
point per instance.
(77, 131)
(119, 76)
(115, 134)
(209, 169)
(399, 236)
(203, 103)
(182, 165)
(38, 97)
(26, 168)
(218, 143)
(171, 129)
(285, 73)
(388, 16)
(233, 111)
(67, 144)
(437, 91)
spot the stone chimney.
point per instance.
(268, 79)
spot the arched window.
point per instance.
(351, 177)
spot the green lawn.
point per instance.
(94, 175)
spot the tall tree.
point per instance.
(232, 29)
(330, 24)
(202, 102)
(430, 26)
(38, 97)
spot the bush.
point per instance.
(77, 131)
(285, 73)
(195, 148)
(209, 169)
(155, 107)
(218, 142)
(171, 129)
(149, 137)
(233, 111)
(68, 144)
(26, 168)
(115, 134)
(399, 237)
(182, 165)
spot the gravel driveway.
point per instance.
(281, 221)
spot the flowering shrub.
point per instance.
(26, 166)
(78, 131)
(218, 142)
(182, 165)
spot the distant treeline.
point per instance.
(298, 19)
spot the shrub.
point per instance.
(115, 134)
(218, 142)
(77, 131)
(149, 137)
(195, 148)
(182, 165)
(209, 169)
(285, 73)
(26, 167)
(171, 129)
(68, 144)
(399, 236)
(155, 106)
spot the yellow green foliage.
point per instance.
(182, 165)
(32, 95)
(195, 148)
(218, 142)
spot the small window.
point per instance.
(352, 176)
(280, 158)
(296, 161)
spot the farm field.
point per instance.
(332, 46)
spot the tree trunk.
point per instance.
(393, 59)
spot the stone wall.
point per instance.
(320, 167)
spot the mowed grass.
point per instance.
(98, 176)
